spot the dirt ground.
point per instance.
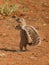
(36, 13)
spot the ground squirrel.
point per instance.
(29, 35)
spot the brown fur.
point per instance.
(27, 32)
(24, 38)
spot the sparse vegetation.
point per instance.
(7, 10)
(25, 9)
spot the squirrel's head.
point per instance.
(21, 21)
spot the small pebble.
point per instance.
(44, 24)
(2, 54)
(32, 57)
(4, 34)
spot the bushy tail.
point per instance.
(33, 34)
(36, 41)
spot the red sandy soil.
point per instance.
(37, 16)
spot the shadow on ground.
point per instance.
(10, 50)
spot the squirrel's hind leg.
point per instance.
(25, 47)
(21, 47)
